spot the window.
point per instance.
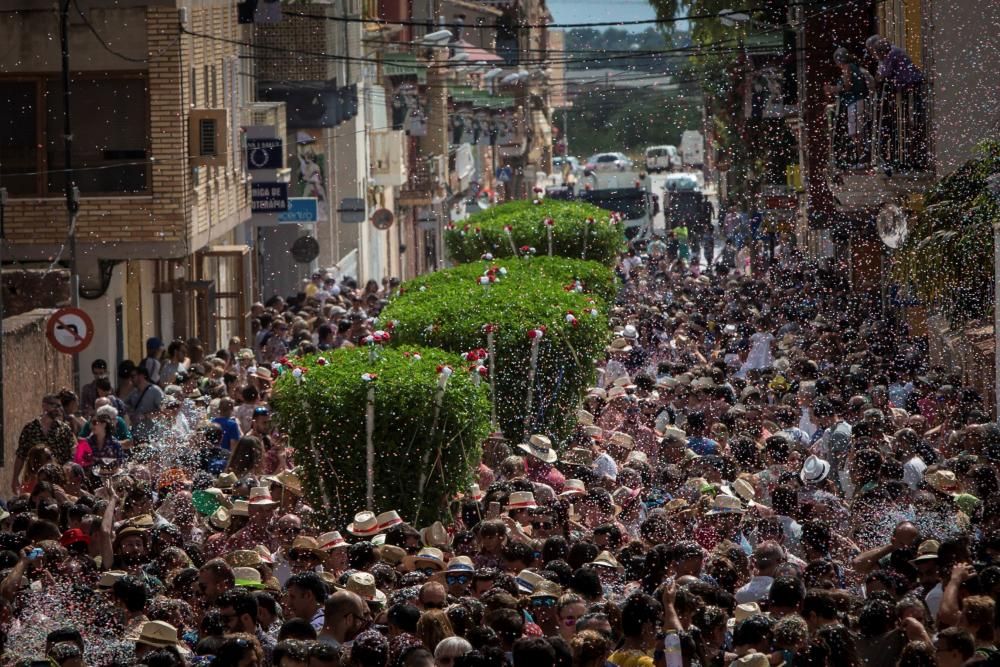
(110, 136)
(18, 136)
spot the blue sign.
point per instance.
(269, 197)
(265, 154)
(300, 210)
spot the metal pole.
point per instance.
(565, 131)
(996, 322)
(3, 240)
(72, 195)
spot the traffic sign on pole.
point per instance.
(70, 330)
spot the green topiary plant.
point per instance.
(454, 310)
(579, 231)
(423, 453)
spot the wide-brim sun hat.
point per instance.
(540, 447)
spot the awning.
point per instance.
(404, 64)
(475, 53)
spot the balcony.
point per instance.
(879, 148)
(388, 166)
(418, 189)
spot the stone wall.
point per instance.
(27, 289)
(31, 369)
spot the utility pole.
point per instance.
(3, 240)
(72, 194)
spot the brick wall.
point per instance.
(176, 209)
(31, 369)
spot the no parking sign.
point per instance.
(70, 330)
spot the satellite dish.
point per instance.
(305, 249)
(382, 219)
(892, 225)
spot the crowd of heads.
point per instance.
(766, 471)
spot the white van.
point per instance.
(662, 158)
(692, 148)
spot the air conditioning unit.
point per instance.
(208, 132)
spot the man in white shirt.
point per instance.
(765, 560)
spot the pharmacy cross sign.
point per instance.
(70, 330)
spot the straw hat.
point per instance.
(594, 432)
(260, 496)
(573, 487)
(387, 520)
(305, 543)
(226, 480)
(521, 500)
(220, 519)
(461, 565)
(723, 504)
(363, 585)
(265, 554)
(109, 578)
(528, 580)
(426, 557)
(584, 418)
(475, 493)
(616, 392)
(330, 541)
(263, 373)
(630, 332)
(746, 610)
(928, 550)
(435, 535)
(635, 456)
(605, 559)
(241, 508)
(391, 554)
(814, 470)
(619, 345)
(243, 558)
(365, 524)
(540, 447)
(741, 489)
(157, 633)
(248, 577)
(675, 434)
(942, 480)
(597, 392)
(547, 589)
(288, 481)
(622, 440)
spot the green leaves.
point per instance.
(449, 309)
(324, 414)
(572, 235)
(948, 256)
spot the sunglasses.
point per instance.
(457, 579)
(427, 570)
(548, 602)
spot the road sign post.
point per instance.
(70, 330)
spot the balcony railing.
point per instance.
(419, 185)
(887, 132)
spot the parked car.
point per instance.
(574, 164)
(662, 158)
(608, 162)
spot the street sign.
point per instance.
(351, 209)
(382, 219)
(300, 210)
(265, 153)
(268, 197)
(70, 330)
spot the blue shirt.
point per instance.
(703, 446)
(230, 430)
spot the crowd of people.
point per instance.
(763, 474)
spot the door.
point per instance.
(229, 270)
